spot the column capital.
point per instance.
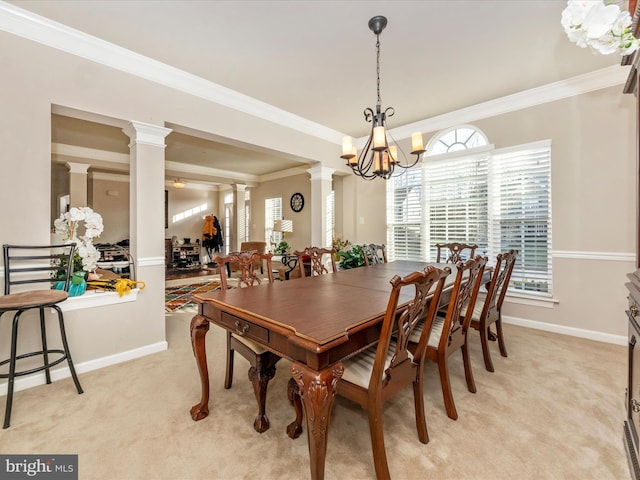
(145, 133)
(75, 167)
(320, 172)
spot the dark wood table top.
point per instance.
(318, 309)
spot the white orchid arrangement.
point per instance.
(602, 27)
(68, 226)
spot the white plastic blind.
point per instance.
(521, 218)
(272, 212)
(456, 201)
(405, 238)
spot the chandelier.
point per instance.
(177, 183)
(379, 158)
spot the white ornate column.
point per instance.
(238, 214)
(78, 183)
(146, 225)
(321, 183)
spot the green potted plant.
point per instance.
(351, 258)
(282, 248)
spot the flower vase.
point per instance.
(78, 284)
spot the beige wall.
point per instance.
(593, 201)
(35, 78)
(111, 200)
(182, 200)
(593, 177)
(284, 188)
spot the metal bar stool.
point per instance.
(23, 265)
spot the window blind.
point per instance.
(521, 180)
(405, 238)
(272, 212)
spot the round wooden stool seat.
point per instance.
(32, 299)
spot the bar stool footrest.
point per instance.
(39, 368)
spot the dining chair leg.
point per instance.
(259, 376)
(501, 344)
(294, 429)
(468, 373)
(45, 353)
(228, 376)
(486, 353)
(447, 394)
(418, 401)
(377, 442)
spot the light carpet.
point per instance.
(552, 410)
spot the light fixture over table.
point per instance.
(383, 159)
(177, 183)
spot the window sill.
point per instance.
(531, 300)
(97, 298)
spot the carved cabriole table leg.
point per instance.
(317, 390)
(199, 328)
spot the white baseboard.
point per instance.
(29, 381)
(571, 331)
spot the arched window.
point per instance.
(469, 192)
(458, 138)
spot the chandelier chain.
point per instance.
(378, 66)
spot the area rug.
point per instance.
(179, 297)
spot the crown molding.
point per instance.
(578, 85)
(290, 172)
(111, 177)
(39, 29)
(89, 153)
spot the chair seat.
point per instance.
(258, 349)
(477, 311)
(32, 299)
(357, 369)
(434, 336)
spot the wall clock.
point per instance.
(297, 202)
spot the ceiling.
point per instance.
(316, 59)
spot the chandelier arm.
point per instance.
(368, 114)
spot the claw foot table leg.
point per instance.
(317, 391)
(199, 329)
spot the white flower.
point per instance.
(67, 225)
(603, 28)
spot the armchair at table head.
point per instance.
(490, 311)
(319, 258)
(259, 247)
(26, 265)
(263, 362)
(370, 254)
(454, 252)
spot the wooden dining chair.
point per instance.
(490, 311)
(370, 254)
(263, 362)
(454, 252)
(319, 258)
(448, 334)
(378, 373)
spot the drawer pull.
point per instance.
(633, 309)
(635, 405)
(241, 329)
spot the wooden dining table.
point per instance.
(315, 322)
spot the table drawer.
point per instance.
(244, 329)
